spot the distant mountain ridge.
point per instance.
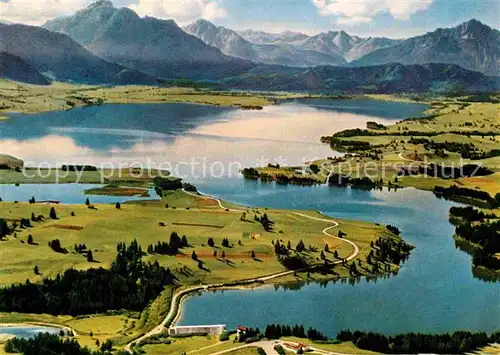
(471, 45)
(58, 57)
(350, 47)
(15, 68)
(104, 44)
(334, 43)
(157, 47)
(262, 37)
(386, 78)
(231, 43)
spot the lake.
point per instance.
(434, 291)
(26, 331)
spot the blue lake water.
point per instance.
(27, 331)
(66, 193)
(434, 291)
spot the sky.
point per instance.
(389, 18)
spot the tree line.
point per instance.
(363, 182)
(469, 214)
(46, 343)
(454, 191)
(276, 331)
(170, 248)
(487, 236)
(129, 284)
(412, 343)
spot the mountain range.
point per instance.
(59, 58)
(386, 78)
(231, 43)
(14, 68)
(156, 47)
(471, 45)
(332, 43)
(104, 44)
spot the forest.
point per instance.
(45, 343)
(454, 191)
(412, 343)
(487, 237)
(129, 284)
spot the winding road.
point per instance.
(176, 303)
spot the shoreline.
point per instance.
(25, 324)
(179, 298)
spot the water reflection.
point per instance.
(181, 133)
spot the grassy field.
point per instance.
(100, 229)
(344, 347)
(198, 345)
(180, 345)
(89, 329)
(453, 121)
(129, 177)
(26, 98)
(118, 191)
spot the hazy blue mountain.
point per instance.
(157, 47)
(341, 43)
(471, 45)
(14, 68)
(261, 37)
(333, 43)
(231, 43)
(58, 57)
(388, 78)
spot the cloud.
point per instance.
(359, 11)
(39, 11)
(182, 11)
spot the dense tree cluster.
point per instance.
(250, 335)
(470, 214)
(487, 236)
(388, 250)
(4, 228)
(375, 126)
(300, 247)
(350, 145)
(276, 331)
(78, 168)
(293, 262)
(344, 180)
(80, 248)
(280, 249)
(129, 284)
(357, 132)
(52, 213)
(265, 221)
(170, 248)
(166, 184)
(250, 173)
(24, 223)
(412, 343)
(446, 172)
(189, 187)
(45, 343)
(466, 150)
(454, 191)
(55, 245)
(393, 229)
(285, 179)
